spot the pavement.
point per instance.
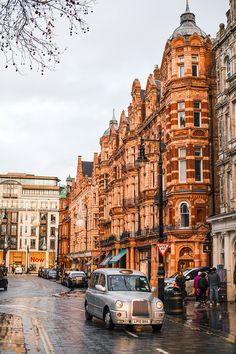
(41, 316)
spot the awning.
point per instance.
(117, 257)
(106, 260)
(97, 257)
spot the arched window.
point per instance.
(184, 215)
(227, 65)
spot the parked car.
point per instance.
(124, 297)
(51, 274)
(4, 283)
(190, 274)
(45, 272)
(18, 270)
(74, 278)
(40, 271)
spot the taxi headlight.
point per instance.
(119, 304)
(159, 305)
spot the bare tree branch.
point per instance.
(27, 30)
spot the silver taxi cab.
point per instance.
(122, 297)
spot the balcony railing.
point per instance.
(125, 236)
(130, 202)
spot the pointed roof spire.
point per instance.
(113, 115)
(187, 6)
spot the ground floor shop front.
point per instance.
(31, 260)
(144, 256)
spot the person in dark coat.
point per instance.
(181, 283)
(203, 286)
(214, 284)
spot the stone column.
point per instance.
(227, 265)
(215, 250)
(197, 254)
(128, 258)
(131, 258)
(154, 261)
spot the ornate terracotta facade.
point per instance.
(178, 105)
(178, 101)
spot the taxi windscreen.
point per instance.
(128, 283)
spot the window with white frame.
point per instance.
(227, 66)
(152, 175)
(182, 165)
(194, 65)
(181, 65)
(198, 164)
(184, 215)
(197, 113)
(181, 115)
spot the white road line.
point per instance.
(76, 308)
(162, 351)
(132, 334)
(24, 307)
(51, 349)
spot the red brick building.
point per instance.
(177, 100)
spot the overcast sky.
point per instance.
(47, 121)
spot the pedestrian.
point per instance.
(203, 286)
(214, 284)
(196, 288)
(180, 282)
(13, 269)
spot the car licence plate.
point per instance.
(141, 321)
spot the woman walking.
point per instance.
(203, 286)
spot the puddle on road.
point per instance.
(11, 334)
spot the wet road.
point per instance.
(35, 319)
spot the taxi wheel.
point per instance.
(108, 320)
(88, 317)
(156, 328)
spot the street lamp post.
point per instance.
(160, 237)
(5, 249)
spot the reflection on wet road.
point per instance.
(36, 319)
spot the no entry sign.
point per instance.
(163, 247)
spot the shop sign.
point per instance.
(206, 247)
(163, 247)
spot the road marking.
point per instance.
(162, 351)
(24, 307)
(42, 334)
(132, 334)
(76, 308)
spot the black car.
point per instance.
(4, 283)
(74, 278)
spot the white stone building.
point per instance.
(224, 224)
(29, 217)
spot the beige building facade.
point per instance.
(224, 223)
(29, 207)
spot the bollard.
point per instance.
(173, 301)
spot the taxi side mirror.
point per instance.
(100, 288)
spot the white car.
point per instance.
(123, 297)
(18, 270)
